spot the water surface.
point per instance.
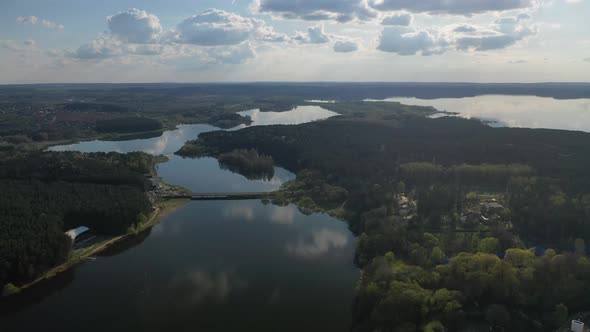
(299, 115)
(204, 174)
(212, 266)
(515, 111)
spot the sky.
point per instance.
(82, 41)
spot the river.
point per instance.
(210, 265)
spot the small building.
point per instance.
(577, 326)
(75, 232)
(470, 217)
(491, 205)
(154, 183)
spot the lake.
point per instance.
(210, 265)
(204, 174)
(514, 111)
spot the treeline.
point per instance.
(375, 151)
(44, 194)
(101, 168)
(128, 125)
(547, 214)
(248, 163)
(93, 107)
(486, 175)
(517, 293)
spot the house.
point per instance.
(470, 217)
(75, 232)
(577, 326)
(491, 205)
(154, 183)
(404, 204)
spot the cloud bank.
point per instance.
(502, 33)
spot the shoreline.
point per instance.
(163, 208)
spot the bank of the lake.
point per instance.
(202, 260)
(78, 256)
(513, 111)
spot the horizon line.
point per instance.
(295, 82)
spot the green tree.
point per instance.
(434, 326)
(489, 245)
(10, 289)
(550, 253)
(559, 315)
(580, 246)
(498, 315)
(519, 257)
(436, 255)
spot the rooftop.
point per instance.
(74, 232)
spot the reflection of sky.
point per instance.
(204, 261)
(515, 111)
(204, 174)
(319, 243)
(199, 286)
(170, 142)
(238, 211)
(284, 215)
(299, 115)
(317, 101)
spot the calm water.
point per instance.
(204, 174)
(211, 266)
(172, 141)
(515, 111)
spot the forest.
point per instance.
(45, 194)
(128, 125)
(457, 222)
(408, 186)
(248, 163)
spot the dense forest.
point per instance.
(248, 163)
(128, 125)
(457, 222)
(44, 194)
(446, 211)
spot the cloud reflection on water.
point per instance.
(199, 286)
(284, 215)
(319, 243)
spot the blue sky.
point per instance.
(276, 40)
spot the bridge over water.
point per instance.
(225, 196)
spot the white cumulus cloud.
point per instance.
(217, 27)
(102, 47)
(315, 10)
(457, 7)
(345, 46)
(502, 33)
(33, 20)
(401, 19)
(313, 35)
(135, 26)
